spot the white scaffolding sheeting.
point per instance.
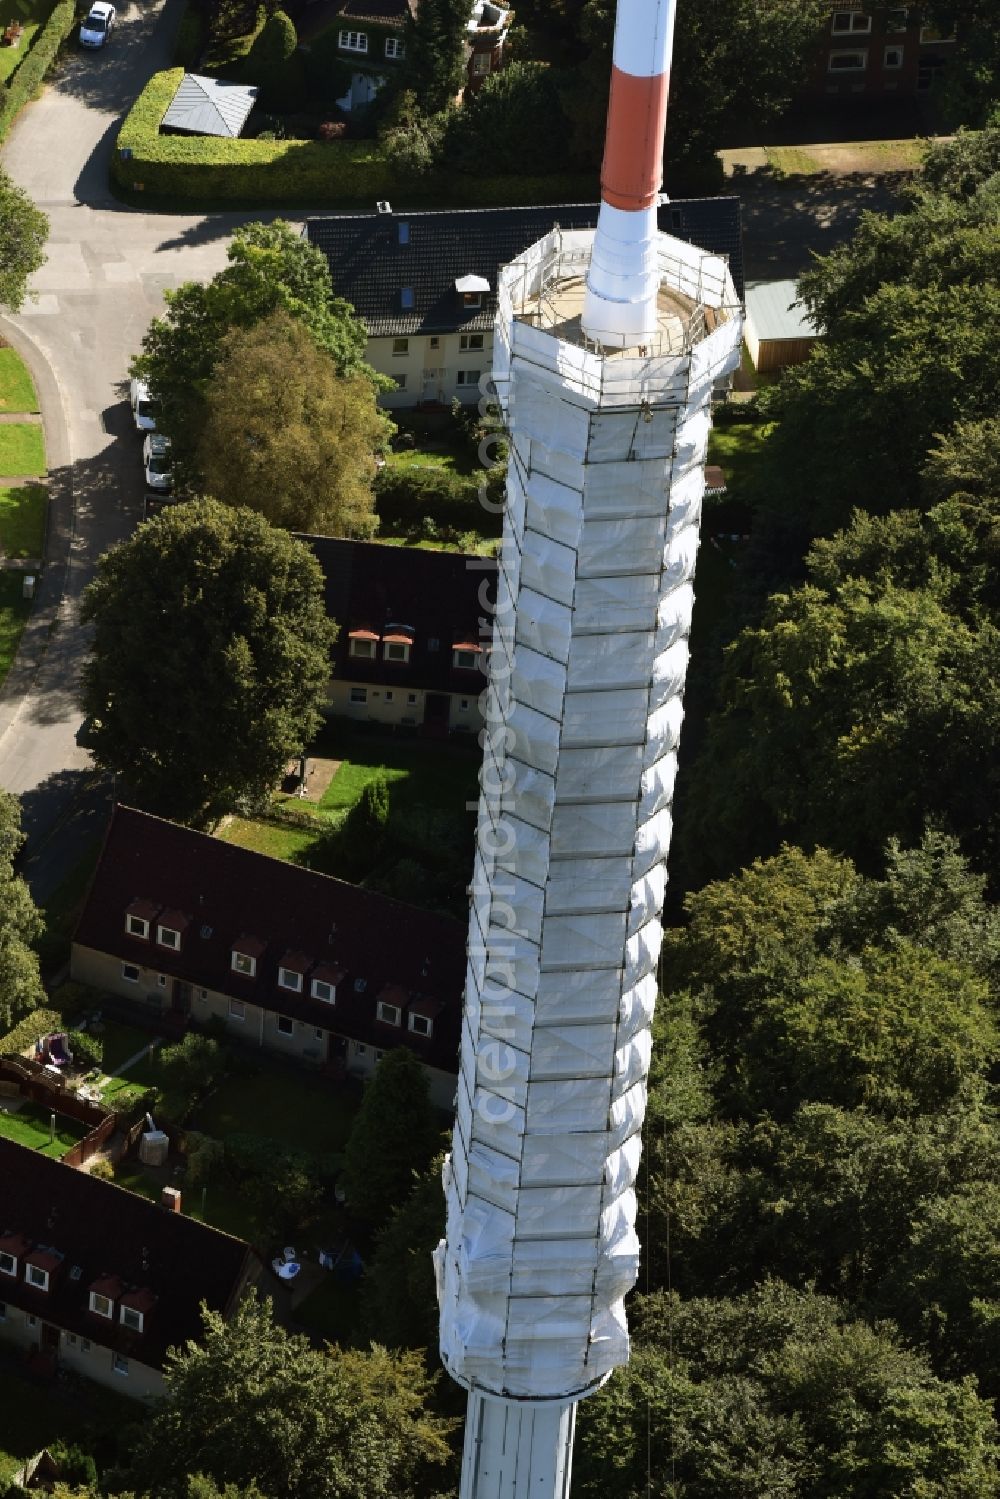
(588, 661)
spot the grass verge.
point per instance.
(22, 520)
(22, 448)
(14, 611)
(17, 389)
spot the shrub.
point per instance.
(88, 1051)
(190, 38)
(27, 80)
(205, 1157)
(331, 130)
(272, 64)
(103, 1170)
(406, 498)
(31, 1029)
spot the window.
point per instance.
(130, 973)
(136, 927)
(203, 995)
(411, 698)
(848, 62)
(388, 1014)
(463, 705)
(8, 1264)
(893, 57)
(317, 1033)
(388, 697)
(286, 1025)
(359, 694)
(403, 229)
(400, 381)
(161, 979)
(406, 298)
(464, 660)
(71, 1339)
(37, 1277)
(31, 1321)
(394, 48)
(361, 1049)
(131, 1318)
(850, 21)
(167, 937)
(365, 649)
(244, 963)
(3, 1311)
(480, 64)
(468, 377)
(100, 1304)
(435, 343)
(895, 20)
(289, 979)
(237, 1009)
(472, 299)
(324, 991)
(379, 1055)
(935, 34)
(84, 1345)
(471, 341)
(119, 1364)
(420, 1025)
(353, 41)
(401, 346)
(395, 650)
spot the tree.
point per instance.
(191, 1066)
(211, 657)
(393, 1136)
(435, 53)
(20, 924)
(514, 117)
(23, 232)
(400, 1303)
(271, 267)
(288, 436)
(271, 62)
(779, 1395)
(251, 1404)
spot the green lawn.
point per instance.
(273, 838)
(736, 447)
(17, 391)
(32, 1418)
(300, 1110)
(22, 519)
(30, 1126)
(22, 447)
(121, 1042)
(14, 611)
(12, 57)
(225, 1208)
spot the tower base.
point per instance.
(517, 1449)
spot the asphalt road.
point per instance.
(104, 279)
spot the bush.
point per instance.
(190, 39)
(31, 1029)
(102, 1170)
(406, 498)
(272, 64)
(88, 1051)
(27, 80)
(205, 1158)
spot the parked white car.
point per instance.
(156, 461)
(143, 408)
(97, 24)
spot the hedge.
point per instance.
(26, 81)
(308, 173)
(405, 496)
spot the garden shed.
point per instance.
(778, 331)
(209, 106)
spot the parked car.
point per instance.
(143, 408)
(156, 460)
(97, 24)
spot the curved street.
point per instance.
(104, 279)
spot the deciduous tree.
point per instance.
(23, 232)
(211, 657)
(435, 53)
(20, 924)
(392, 1138)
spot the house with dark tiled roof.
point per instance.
(100, 1280)
(414, 627)
(425, 284)
(187, 927)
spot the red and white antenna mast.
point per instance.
(624, 277)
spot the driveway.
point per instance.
(107, 269)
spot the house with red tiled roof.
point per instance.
(101, 1281)
(187, 927)
(414, 627)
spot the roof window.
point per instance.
(406, 299)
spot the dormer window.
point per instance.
(244, 963)
(289, 979)
(168, 936)
(363, 644)
(323, 991)
(465, 655)
(131, 1318)
(421, 1025)
(136, 926)
(472, 299)
(388, 1014)
(139, 917)
(396, 648)
(395, 48)
(101, 1306)
(37, 1277)
(8, 1263)
(471, 290)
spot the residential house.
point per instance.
(185, 926)
(876, 53)
(371, 38)
(486, 40)
(100, 1280)
(424, 284)
(414, 626)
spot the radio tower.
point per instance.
(607, 348)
